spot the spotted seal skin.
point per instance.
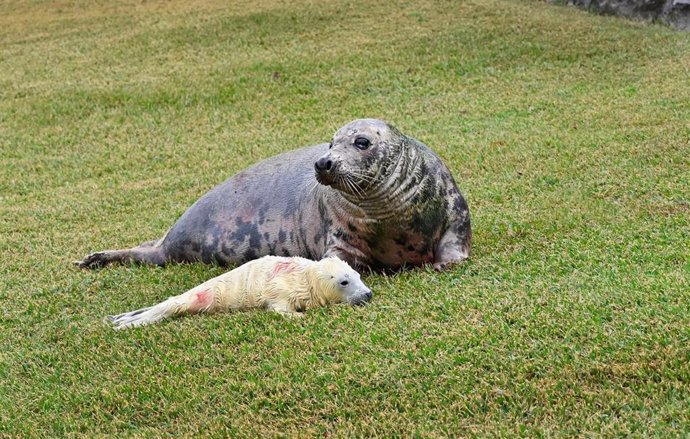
(373, 197)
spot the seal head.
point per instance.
(360, 154)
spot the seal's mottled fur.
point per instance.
(373, 197)
(286, 285)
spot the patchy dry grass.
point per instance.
(569, 134)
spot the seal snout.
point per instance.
(361, 299)
(325, 170)
(323, 164)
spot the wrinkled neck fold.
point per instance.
(393, 187)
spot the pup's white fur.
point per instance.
(282, 284)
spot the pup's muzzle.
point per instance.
(361, 299)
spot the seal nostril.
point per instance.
(368, 295)
(323, 164)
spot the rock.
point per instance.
(673, 12)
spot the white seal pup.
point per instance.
(281, 284)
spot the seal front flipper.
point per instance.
(454, 246)
(284, 309)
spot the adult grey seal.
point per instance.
(373, 197)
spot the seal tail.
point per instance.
(195, 300)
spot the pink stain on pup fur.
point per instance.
(202, 301)
(283, 267)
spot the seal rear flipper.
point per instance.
(133, 318)
(201, 299)
(146, 316)
(143, 254)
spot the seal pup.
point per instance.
(286, 285)
(374, 197)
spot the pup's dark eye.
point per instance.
(330, 145)
(362, 143)
(343, 283)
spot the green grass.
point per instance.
(569, 134)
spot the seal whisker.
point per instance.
(356, 188)
(347, 182)
(311, 191)
(362, 176)
(364, 181)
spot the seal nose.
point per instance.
(361, 299)
(323, 164)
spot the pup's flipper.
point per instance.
(143, 316)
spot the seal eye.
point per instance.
(362, 143)
(330, 145)
(344, 283)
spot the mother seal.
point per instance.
(373, 197)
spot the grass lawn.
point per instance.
(568, 133)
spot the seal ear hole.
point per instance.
(362, 143)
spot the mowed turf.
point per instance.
(568, 133)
